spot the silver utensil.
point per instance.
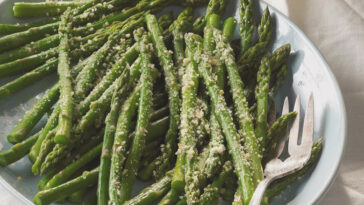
(299, 153)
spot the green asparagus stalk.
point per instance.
(42, 182)
(105, 161)
(108, 79)
(187, 149)
(279, 57)
(6, 29)
(27, 63)
(214, 7)
(30, 49)
(265, 28)
(172, 88)
(52, 123)
(32, 117)
(177, 29)
(64, 127)
(88, 178)
(222, 112)
(152, 193)
(261, 96)
(35, 33)
(211, 192)
(88, 75)
(241, 107)
(60, 153)
(78, 196)
(17, 39)
(121, 142)
(138, 144)
(42, 9)
(66, 173)
(46, 147)
(170, 198)
(85, 147)
(165, 20)
(228, 28)
(276, 132)
(18, 150)
(99, 107)
(279, 80)
(216, 145)
(246, 25)
(27, 79)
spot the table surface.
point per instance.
(336, 27)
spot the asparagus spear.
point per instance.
(105, 161)
(214, 7)
(165, 20)
(138, 144)
(225, 119)
(172, 86)
(18, 150)
(279, 57)
(177, 29)
(261, 96)
(211, 192)
(32, 117)
(246, 25)
(276, 132)
(6, 29)
(42, 9)
(17, 39)
(46, 147)
(279, 80)
(187, 152)
(241, 107)
(121, 142)
(64, 127)
(88, 178)
(265, 28)
(108, 79)
(84, 148)
(78, 196)
(30, 49)
(85, 79)
(152, 193)
(60, 153)
(28, 78)
(216, 145)
(27, 63)
(66, 173)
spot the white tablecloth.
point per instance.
(337, 28)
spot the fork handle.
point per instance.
(259, 191)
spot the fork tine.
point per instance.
(307, 132)
(282, 141)
(294, 131)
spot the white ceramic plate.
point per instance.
(308, 72)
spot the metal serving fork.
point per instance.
(299, 154)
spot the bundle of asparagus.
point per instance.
(194, 120)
